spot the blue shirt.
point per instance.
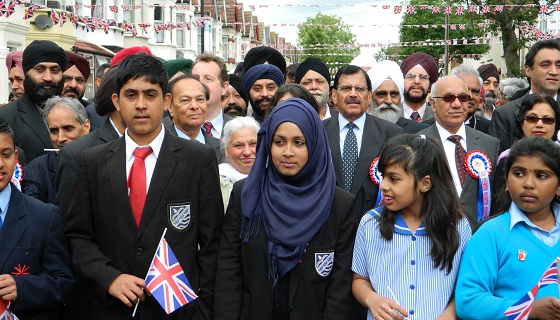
(5, 201)
(550, 238)
(199, 137)
(359, 131)
(404, 266)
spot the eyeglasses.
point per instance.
(422, 76)
(346, 89)
(452, 97)
(79, 80)
(535, 119)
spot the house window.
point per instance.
(180, 31)
(225, 44)
(158, 20)
(127, 14)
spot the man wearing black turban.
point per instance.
(43, 63)
(235, 101)
(314, 75)
(490, 77)
(264, 55)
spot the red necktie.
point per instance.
(416, 116)
(208, 128)
(460, 155)
(137, 183)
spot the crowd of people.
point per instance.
(383, 191)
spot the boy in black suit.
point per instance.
(35, 271)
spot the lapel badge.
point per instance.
(324, 263)
(521, 254)
(20, 270)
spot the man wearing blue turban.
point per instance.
(260, 83)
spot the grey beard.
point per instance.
(387, 112)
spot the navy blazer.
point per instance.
(33, 250)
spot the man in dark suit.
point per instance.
(420, 71)
(187, 112)
(541, 67)
(119, 210)
(352, 95)
(43, 62)
(450, 123)
(35, 270)
(387, 83)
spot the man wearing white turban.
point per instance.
(387, 83)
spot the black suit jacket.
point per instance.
(95, 120)
(105, 242)
(503, 125)
(32, 238)
(244, 289)
(209, 141)
(32, 134)
(376, 132)
(411, 126)
(476, 140)
(68, 162)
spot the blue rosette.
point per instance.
(376, 177)
(479, 167)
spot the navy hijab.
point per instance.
(291, 209)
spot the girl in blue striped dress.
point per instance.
(408, 250)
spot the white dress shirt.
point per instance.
(150, 160)
(449, 147)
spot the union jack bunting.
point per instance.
(167, 281)
(114, 8)
(520, 310)
(557, 7)
(460, 10)
(74, 19)
(55, 17)
(499, 8)
(448, 10)
(423, 7)
(10, 9)
(30, 12)
(543, 9)
(472, 8)
(411, 9)
(62, 18)
(398, 9)
(485, 9)
(126, 7)
(105, 24)
(385, 6)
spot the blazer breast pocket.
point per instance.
(23, 261)
(180, 217)
(322, 260)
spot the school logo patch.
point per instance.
(180, 216)
(324, 263)
(521, 254)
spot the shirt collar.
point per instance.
(517, 216)
(155, 144)
(444, 134)
(360, 122)
(218, 123)
(5, 195)
(181, 134)
(400, 225)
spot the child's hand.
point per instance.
(8, 290)
(545, 308)
(384, 308)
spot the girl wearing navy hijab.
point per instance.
(286, 246)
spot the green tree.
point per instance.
(465, 26)
(333, 36)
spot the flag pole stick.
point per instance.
(138, 302)
(558, 275)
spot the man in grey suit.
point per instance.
(542, 67)
(367, 134)
(187, 112)
(449, 101)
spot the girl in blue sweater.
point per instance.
(508, 254)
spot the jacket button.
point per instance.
(292, 308)
(139, 251)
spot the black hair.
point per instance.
(141, 66)
(539, 147)
(421, 156)
(7, 130)
(538, 46)
(104, 95)
(527, 104)
(173, 82)
(297, 91)
(291, 71)
(100, 72)
(348, 70)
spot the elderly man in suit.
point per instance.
(387, 83)
(542, 67)
(449, 101)
(355, 137)
(187, 112)
(43, 62)
(128, 191)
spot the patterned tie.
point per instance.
(350, 156)
(137, 183)
(416, 116)
(460, 155)
(208, 128)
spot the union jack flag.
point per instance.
(453, 27)
(550, 275)
(5, 313)
(167, 281)
(472, 8)
(144, 26)
(462, 27)
(55, 17)
(74, 19)
(460, 10)
(114, 8)
(398, 9)
(105, 24)
(2, 7)
(423, 7)
(543, 9)
(29, 12)
(411, 9)
(448, 10)
(520, 310)
(62, 18)
(126, 7)
(485, 9)
(499, 8)
(139, 6)
(385, 6)
(435, 9)
(557, 7)
(10, 9)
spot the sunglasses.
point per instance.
(535, 119)
(451, 97)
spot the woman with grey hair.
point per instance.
(239, 145)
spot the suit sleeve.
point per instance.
(30, 184)
(340, 302)
(499, 128)
(54, 283)
(65, 176)
(229, 275)
(211, 209)
(89, 262)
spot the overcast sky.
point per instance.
(378, 25)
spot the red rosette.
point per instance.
(374, 173)
(476, 162)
